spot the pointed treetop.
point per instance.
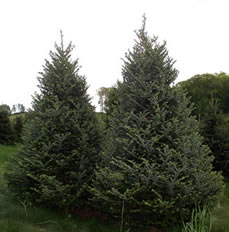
(62, 40)
(143, 22)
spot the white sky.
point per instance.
(102, 31)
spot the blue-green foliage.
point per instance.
(156, 167)
(61, 139)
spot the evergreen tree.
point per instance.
(215, 130)
(156, 168)
(5, 107)
(61, 139)
(17, 124)
(201, 87)
(6, 133)
(111, 103)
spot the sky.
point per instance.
(196, 32)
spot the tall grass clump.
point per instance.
(201, 221)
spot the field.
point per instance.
(16, 216)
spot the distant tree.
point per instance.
(102, 93)
(18, 124)
(156, 168)
(111, 105)
(215, 129)
(210, 95)
(112, 100)
(201, 87)
(6, 108)
(14, 109)
(6, 133)
(19, 108)
(61, 140)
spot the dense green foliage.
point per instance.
(202, 87)
(156, 168)
(210, 95)
(102, 93)
(4, 107)
(6, 131)
(19, 216)
(17, 122)
(111, 104)
(11, 125)
(214, 126)
(61, 139)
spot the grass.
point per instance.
(221, 213)
(201, 221)
(14, 217)
(6, 152)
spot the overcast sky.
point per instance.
(102, 31)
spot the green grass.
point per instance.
(6, 152)
(221, 213)
(201, 221)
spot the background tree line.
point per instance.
(11, 123)
(210, 95)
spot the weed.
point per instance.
(201, 221)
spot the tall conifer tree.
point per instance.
(156, 168)
(61, 140)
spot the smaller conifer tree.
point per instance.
(214, 126)
(61, 139)
(6, 132)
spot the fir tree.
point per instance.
(6, 132)
(214, 127)
(156, 168)
(61, 140)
